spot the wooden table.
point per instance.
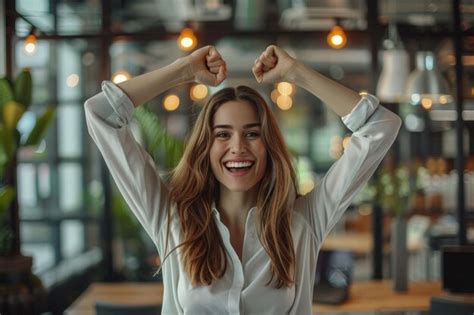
(378, 296)
(371, 296)
(131, 293)
(361, 244)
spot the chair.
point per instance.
(108, 308)
(458, 306)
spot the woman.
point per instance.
(232, 234)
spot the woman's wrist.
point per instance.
(185, 69)
(294, 73)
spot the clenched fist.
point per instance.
(272, 65)
(207, 66)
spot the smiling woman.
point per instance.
(238, 154)
(231, 232)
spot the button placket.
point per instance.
(238, 276)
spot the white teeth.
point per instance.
(238, 164)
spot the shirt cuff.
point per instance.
(361, 112)
(119, 101)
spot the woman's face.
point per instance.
(238, 155)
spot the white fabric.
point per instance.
(242, 289)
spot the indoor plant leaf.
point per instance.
(12, 112)
(156, 137)
(40, 127)
(6, 91)
(7, 194)
(23, 88)
(7, 142)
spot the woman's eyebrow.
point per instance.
(246, 126)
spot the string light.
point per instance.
(187, 41)
(337, 38)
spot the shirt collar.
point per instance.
(215, 211)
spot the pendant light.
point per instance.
(395, 68)
(426, 85)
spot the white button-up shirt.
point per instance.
(242, 289)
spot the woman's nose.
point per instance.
(238, 145)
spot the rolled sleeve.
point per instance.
(121, 104)
(361, 112)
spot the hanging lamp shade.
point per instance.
(395, 68)
(394, 75)
(425, 84)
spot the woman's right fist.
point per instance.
(207, 66)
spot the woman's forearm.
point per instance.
(145, 87)
(338, 97)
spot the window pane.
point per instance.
(70, 186)
(69, 133)
(44, 180)
(69, 71)
(26, 185)
(73, 17)
(72, 238)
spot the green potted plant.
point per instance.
(19, 288)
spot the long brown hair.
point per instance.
(194, 188)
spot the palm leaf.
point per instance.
(157, 138)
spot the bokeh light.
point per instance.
(171, 102)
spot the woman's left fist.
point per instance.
(272, 65)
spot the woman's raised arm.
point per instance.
(374, 131)
(204, 65)
(275, 64)
(108, 115)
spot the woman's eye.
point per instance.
(222, 135)
(252, 134)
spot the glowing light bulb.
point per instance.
(187, 41)
(30, 44)
(337, 38)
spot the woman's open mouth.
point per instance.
(239, 168)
